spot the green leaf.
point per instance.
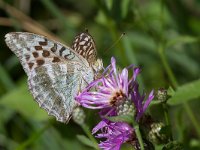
(185, 93)
(195, 143)
(173, 145)
(122, 118)
(35, 136)
(124, 5)
(83, 139)
(109, 4)
(101, 18)
(20, 100)
(182, 40)
(5, 79)
(7, 142)
(170, 91)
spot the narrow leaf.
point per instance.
(185, 93)
(182, 40)
(122, 118)
(83, 139)
(20, 100)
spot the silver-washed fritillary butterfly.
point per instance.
(56, 73)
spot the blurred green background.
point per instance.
(162, 37)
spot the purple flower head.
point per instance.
(114, 133)
(138, 101)
(110, 89)
(113, 89)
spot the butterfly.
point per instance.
(56, 72)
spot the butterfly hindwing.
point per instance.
(54, 86)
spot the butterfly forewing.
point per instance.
(85, 46)
(35, 50)
(56, 73)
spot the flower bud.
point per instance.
(155, 135)
(126, 108)
(162, 95)
(78, 115)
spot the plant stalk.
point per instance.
(90, 136)
(138, 134)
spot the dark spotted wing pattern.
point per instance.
(56, 73)
(35, 50)
(85, 46)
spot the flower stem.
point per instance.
(166, 113)
(192, 117)
(175, 85)
(88, 133)
(167, 67)
(167, 119)
(138, 134)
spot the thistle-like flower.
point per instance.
(115, 133)
(138, 101)
(115, 94)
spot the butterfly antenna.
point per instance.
(106, 51)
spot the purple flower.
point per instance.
(115, 94)
(138, 101)
(112, 89)
(115, 133)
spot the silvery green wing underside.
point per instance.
(56, 73)
(55, 86)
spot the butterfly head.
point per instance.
(97, 65)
